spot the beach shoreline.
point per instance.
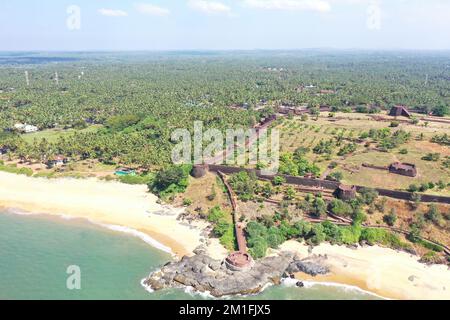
(109, 204)
(131, 209)
(382, 271)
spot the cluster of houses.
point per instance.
(25, 128)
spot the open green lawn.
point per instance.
(52, 135)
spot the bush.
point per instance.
(303, 228)
(433, 214)
(279, 180)
(187, 202)
(335, 176)
(244, 184)
(221, 227)
(275, 238)
(12, 169)
(375, 236)
(319, 207)
(228, 239)
(215, 215)
(368, 195)
(350, 235)
(137, 179)
(390, 218)
(394, 124)
(332, 232)
(359, 216)
(432, 157)
(317, 234)
(340, 208)
(171, 180)
(258, 247)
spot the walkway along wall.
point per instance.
(331, 185)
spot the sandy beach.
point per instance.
(122, 207)
(108, 203)
(386, 272)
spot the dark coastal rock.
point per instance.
(205, 274)
(311, 266)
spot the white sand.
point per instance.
(102, 202)
(384, 271)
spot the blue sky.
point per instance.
(223, 24)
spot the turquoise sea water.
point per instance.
(35, 252)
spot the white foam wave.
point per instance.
(143, 236)
(146, 286)
(288, 282)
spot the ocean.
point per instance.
(36, 252)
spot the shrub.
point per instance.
(213, 194)
(390, 218)
(319, 207)
(244, 184)
(394, 124)
(279, 180)
(332, 232)
(317, 234)
(258, 247)
(228, 239)
(432, 157)
(12, 169)
(340, 208)
(137, 179)
(335, 176)
(350, 235)
(303, 228)
(216, 214)
(275, 238)
(433, 214)
(368, 195)
(172, 180)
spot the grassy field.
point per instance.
(296, 133)
(52, 135)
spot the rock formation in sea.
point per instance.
(205, 274)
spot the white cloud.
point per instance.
(151, 9)
(289, 5)
(209, 7)
(112, 13)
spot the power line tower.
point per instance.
(27, 78)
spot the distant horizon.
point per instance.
(324, 49)
(223, 25)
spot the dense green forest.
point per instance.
(138, 99)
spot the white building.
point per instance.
(26, 128)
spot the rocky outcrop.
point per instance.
(312, 266)
(205, 274)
